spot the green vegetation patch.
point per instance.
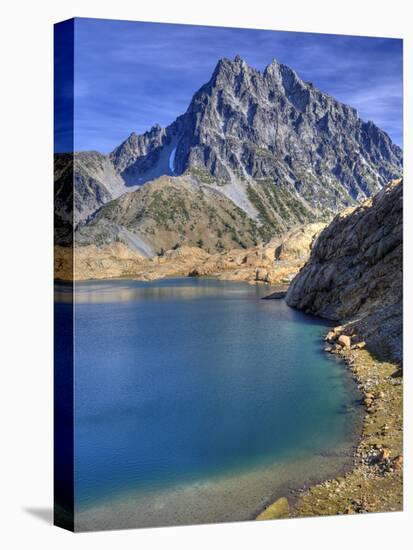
(204, 176)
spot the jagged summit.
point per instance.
(225, 69)
(247, 125)
(238, 61)
(275, 73)
(279, 148)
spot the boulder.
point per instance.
(278, 510)
(384, 455)
(344, 341)
(360, 345)
(331, 336)
(398, 462)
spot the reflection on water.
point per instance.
(63, 292)
(129, 291)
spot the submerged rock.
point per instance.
(277, 295)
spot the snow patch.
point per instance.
(172, 160)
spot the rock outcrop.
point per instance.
(354, 273)
(91, 262)
(263, 263)
(259, 264)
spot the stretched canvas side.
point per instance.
(64, 304)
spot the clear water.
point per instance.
(180, 381)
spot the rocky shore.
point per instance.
(375, 483)
(354, 275)
(354, 272)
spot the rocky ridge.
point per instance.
(171, 212)
(354, 273)
(245, 126)
(279, 149)
(83, 182)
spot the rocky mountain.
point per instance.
(170, 212)
(141, 158)
(278, 149)
(83, 183)
(354, 273)
(266, 129)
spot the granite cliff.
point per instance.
(354, 273)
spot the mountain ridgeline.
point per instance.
(258, 152)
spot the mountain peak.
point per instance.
(280, 129)
(155, 128)
(240, 62)
(227, 67)
(282, 73)
(283, 151)
(274, 63)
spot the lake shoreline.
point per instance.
(181, 505)
(304, 470)
(276, 261)
(374, 483)
(374, 459)
(293, 494)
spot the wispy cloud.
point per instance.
(131, 75)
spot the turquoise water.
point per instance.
(180, 381)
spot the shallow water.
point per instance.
(197, 401)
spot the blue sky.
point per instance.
(130, 75)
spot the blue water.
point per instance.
(180, 380)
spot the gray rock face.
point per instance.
(355, 271)
(282, 151)
(83, 183)
(244, 125)
(138, 154)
